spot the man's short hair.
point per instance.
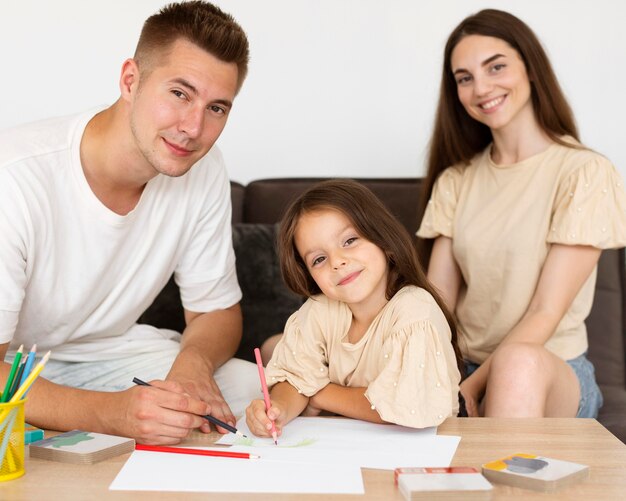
(200, 23)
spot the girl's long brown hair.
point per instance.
(457, 137)
(373, 222)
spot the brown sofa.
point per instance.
(267, 303)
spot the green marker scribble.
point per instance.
(250, 442)
(244, 441)
(303, 443)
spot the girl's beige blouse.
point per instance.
(405, 362)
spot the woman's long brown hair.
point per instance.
(457, 137)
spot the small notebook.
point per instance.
(535, 472)
(443, 484)
(81, 447)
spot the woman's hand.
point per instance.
(472, 389)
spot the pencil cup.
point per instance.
(11, 440)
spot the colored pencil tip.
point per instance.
(253, 456)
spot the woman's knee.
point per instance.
(520, 358)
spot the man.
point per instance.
(98, 210)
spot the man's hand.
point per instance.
(206, 390)
(162, 413)
(209, 340)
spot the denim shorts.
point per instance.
(590, 395)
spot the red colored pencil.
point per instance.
(197, 452)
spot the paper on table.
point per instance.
(329, 431)
(309, 450)
(152, 471)
(347, 441)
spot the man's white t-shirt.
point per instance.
(75, 276)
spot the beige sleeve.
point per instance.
(590, 207)
(439, 216)
(419, 385)
(300, 356)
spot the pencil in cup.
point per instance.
(6, 393)
(28, 365)
(25, 386)
(266, 394)
(11, 440)
(12, 427)
(208, 417)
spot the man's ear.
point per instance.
(129, 79)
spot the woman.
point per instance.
(519, 211)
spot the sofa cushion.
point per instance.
(605, 323)
(166, 311)
(237, 194)
(267, 199)
(613, 411)
(267, 303)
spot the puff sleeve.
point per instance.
(300, 358)
(419, 385)
(441, 207)
(590, 207)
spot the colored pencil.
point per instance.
(14, 367)
(30, 379)
(29, 363)
(266, 394)
(17, 379)
(209, 418)
(196, 452)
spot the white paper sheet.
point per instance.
(348, 441)
(309, 450)
(161, 471)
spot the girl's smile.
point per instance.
(345, 266)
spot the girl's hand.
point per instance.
(260, 421)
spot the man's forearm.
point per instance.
(163, 414)
(57, 407)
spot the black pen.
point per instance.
(209, 418)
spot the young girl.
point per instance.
(373, 341)
(519, 210)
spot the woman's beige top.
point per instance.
(405, 361)
(502, 220)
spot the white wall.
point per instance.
(336, 87)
